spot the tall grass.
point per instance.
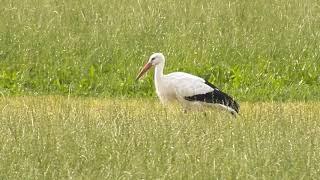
(256, 50)
(60, 138)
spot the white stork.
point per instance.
(187, 89)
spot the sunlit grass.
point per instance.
(61, 137)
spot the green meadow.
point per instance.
(255, 50)
(70, 107)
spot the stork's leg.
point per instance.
(205, 114)
(185, 110)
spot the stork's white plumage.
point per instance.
(185, 88)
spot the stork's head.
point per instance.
(155, 59)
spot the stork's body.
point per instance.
(189, 90)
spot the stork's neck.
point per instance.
(158, 73)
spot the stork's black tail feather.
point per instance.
(217, 97)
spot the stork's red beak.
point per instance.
(144, 70)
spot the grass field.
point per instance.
(255, 50)
(71, 109)
(85, 138)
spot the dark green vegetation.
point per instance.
(255, 50)
(59, 138)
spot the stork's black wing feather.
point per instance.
(215, 96)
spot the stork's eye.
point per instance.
(153, 58)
